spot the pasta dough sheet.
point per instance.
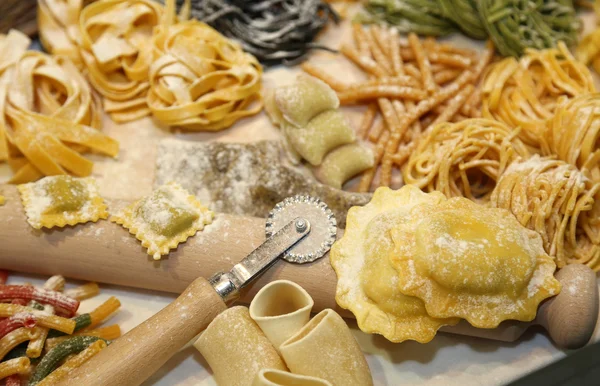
(236, 349)
(270, 377)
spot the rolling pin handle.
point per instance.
(132, 358)
(571, 316)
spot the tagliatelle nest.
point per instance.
(49, 117)
(116, 48)
(525, 93)
(200, 80)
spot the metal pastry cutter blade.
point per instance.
(322, 221)
(300, 229)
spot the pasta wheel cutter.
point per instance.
(299, 229)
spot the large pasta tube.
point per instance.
(325, 348)
(281, 309)
(236, 349)
(271, 377)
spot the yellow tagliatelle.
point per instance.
(524, 93)
(50, 117)
(200, 80)
(58, 26)
(116, 48)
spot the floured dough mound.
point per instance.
(367, 282)
(246, 179)
(410, 262)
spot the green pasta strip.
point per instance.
(81, 321)
(513, 25)
(51, 360)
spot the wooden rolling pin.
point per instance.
(107, 253)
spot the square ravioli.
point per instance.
(165, 218)
(62, 200)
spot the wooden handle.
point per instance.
(570, 317)
(134, 357)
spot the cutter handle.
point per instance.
(134, 357)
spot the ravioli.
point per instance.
(344, 163)
(468, 261)
(62, 200)
(367, 281)
(165, 218)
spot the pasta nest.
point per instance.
(573, 133)
(116, 48)
(525, 93)
(410, 262)
(58, 28)
(50, 118)
(464, 159)
(201, 80)
(559, 202)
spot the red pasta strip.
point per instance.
(13, 380)
(21, 319)
(21, 302)
(55, 299)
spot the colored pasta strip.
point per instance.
(83, 292)
(108, 333)
(14, 366)
(43, 319)
(15, 338)
(57, 354)
(56, 299)
(22, 319)
(73, 363)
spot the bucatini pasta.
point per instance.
(236, 348)
(464, 159)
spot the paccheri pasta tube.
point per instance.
(281, 308)
(325, 348)
(236, 348)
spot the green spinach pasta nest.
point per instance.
(423, 17)
(513, 25)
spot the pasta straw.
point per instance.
(14, 366)
(71, 364)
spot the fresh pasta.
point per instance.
(200, 80)
(556, 200)
(525, 93)
(325, 348)
(280, 309)
(271, 377)
(50, 117)
(464, 159)
(116, 49)
(573, 132)
(236, 349)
